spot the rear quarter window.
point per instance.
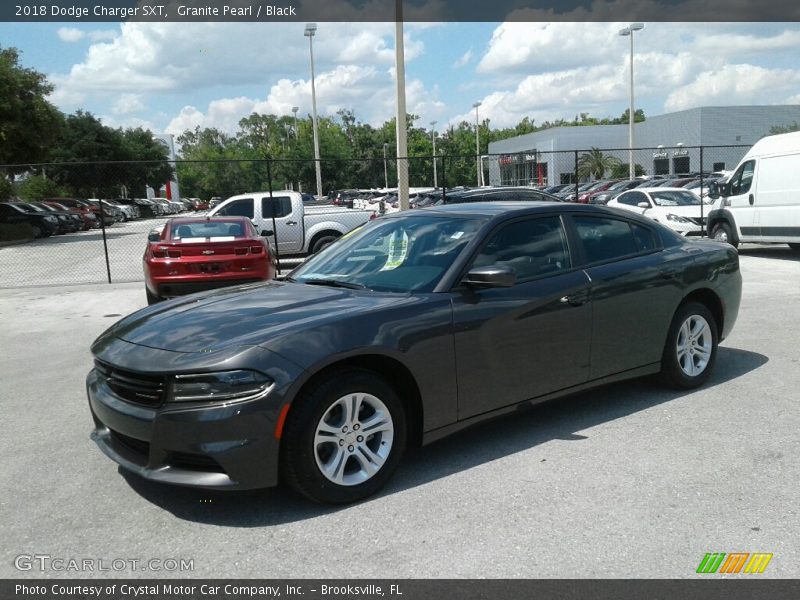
(606, 239)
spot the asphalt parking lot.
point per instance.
(629, 481)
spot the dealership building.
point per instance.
(711, 138)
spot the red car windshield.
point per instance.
(205, 230)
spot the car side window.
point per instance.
(743, 178)
(238, 208)
(532, 248)
(633, 198)
(605, 239)
(283, 206)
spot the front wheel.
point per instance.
(344, 438)
(691, 347)
(722, 232)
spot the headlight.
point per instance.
(677, 218)
(225, 385)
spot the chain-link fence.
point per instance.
(109, 248)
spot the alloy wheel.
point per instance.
(694, 345)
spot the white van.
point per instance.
(760, 202)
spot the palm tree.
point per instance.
(595, 164)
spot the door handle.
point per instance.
(291, 222)
(752, 199)
(573, 300)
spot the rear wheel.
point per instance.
(344, 438)
(691, 347)
(151, 297)
(722, 232)
(323, 242)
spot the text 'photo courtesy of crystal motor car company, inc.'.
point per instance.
(413, 326)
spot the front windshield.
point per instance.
(400, 254)
(675, 198)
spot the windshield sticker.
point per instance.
(457, 235)
(398, 248)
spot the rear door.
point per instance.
(517, 343)
(288, 226)
(636, 287)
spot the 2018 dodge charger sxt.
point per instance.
(408, 329)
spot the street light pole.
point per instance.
(433, 137)
(478, 145)
(294, 110)
(310, 30)
(400, 121)
(628, 32)
(385, 168)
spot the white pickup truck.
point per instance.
(298, 228)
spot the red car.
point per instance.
(192, 254)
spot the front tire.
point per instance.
(691, 348)
(344, 438)
(151, 297)
(722, 232)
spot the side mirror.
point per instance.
(643, 205)
(713, 190)
(491, 276)
(154, 236)
(267, 233)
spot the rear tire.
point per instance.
(691, 348)
(151, 297)
(722, 232)
(323, 242)
(344, 438)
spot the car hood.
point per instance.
(255, 315)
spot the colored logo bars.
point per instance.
(736, 562)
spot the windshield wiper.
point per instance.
(336, 283)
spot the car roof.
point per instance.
(189, 220)
(663, 189)
(491, 209)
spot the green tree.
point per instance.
(28, 122)
(595, 164)
(777, 129)
(622, 170)
(37, 187)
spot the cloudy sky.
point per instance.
(174, 76)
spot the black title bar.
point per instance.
(387, 10)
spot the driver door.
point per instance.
(741, 201)
(517, 343)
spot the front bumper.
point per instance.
(208, 445)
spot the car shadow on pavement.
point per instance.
(524, 429)
(778, 251)
(94, 236)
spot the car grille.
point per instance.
(134, 387)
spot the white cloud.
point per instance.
(70, 34)
(128, 103)
(736, 84)
(463, 60)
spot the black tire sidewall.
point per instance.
(671, 371)
(298, 463)
(728, 232)
(322, 243)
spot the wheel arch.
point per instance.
(716, 217)
(320, 233)
(708, 298)
(396, 375)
